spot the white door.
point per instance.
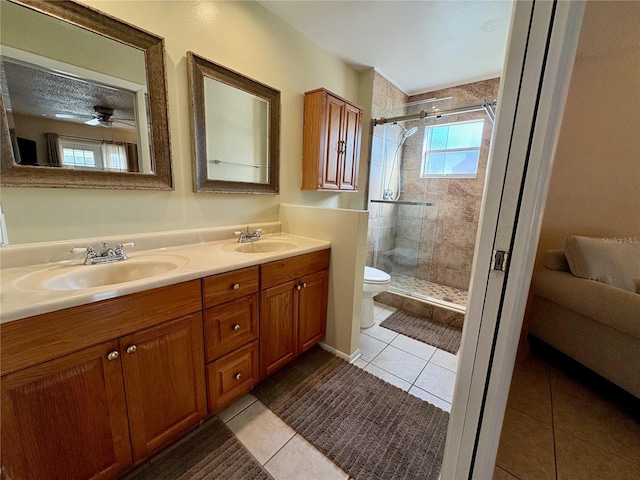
(543, 41)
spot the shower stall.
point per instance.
(428, 163)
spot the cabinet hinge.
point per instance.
(500, 260)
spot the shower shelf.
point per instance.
(400, 202)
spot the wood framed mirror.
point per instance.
(235, 124)
(84, 100)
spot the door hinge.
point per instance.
(500, 260)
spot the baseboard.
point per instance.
(349, 358)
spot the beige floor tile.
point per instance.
(236, 407)
(445, 359)
(531, 394)
(261, 431)
(399, 363)
(414, 347)
(432, 399)
(387, 377)
(370, 347)
(378, 308)
(585, 414)
(526, 447)
(579, 460)
(500, 474)
(299, 460)
(384, 315)
(380, 333)
(360, 363)
(438, 381)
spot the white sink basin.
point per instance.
(260, 246)
(76, 277)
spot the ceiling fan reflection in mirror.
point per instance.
(103, 117)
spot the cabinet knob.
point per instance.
(304, 284)
(235, 286)
(132, 349)
(236, 327)
(113, 355)
(237, 376)
(299, 287)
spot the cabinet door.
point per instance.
(312, 310)
(334, 144)
(66, 418)
(278, 327)
(164, 381)
(351, 149)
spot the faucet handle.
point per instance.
(257, 232)
(80, 249)
(127, 245)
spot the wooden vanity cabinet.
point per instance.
(164, 382)
(331, 142)
(293, 308)
(66, 418)
(88, 412)
(231, 332)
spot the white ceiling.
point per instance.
(419, 45)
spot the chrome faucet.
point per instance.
(246, 236)
(106, 255)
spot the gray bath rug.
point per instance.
(371, 429)
(211, 452)
(439, 335)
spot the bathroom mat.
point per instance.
(371, 429)
(211, 452)
(439, 335)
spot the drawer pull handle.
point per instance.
(236, 327)
(113, 355)
(237, 376)
(235, 286)
(132, 349)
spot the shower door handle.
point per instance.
(342, 147)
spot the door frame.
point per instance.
(539, 61)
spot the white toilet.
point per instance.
(375, 282)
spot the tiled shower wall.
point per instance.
(448, 231)
(430, 243)
(385, 96)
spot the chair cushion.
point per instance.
(615, 262)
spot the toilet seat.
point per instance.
(375, 276)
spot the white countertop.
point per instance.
(22, 296)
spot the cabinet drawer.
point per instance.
(229, 286)
(230, 325)
(232, 376)
(287, 269)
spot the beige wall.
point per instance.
(242, 36)
(595, 184)
(347, 232)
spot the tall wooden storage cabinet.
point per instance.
(331, 142)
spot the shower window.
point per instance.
(452, 150)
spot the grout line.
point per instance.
(280, 449)
(553, 427)
(239, 412)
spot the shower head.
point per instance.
(407, 133)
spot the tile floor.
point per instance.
(423, 370)
(556, 427)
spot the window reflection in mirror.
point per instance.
(52, 96)
(84, 100)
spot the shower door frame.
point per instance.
(542, 46)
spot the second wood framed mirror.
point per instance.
(236, 130)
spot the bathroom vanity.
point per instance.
(91, 390)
